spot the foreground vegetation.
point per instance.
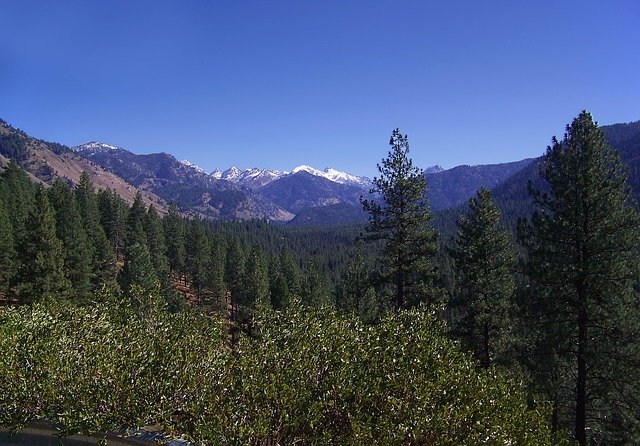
(310, 377)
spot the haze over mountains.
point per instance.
(303, 196)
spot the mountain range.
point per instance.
(302, 196)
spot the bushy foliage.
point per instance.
(309, 377)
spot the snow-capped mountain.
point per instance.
(252, 178)
(193, 166)
(95, 146)
(336, 176)
(256, 178)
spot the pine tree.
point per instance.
(175, 240)
(582, 244)
(235, 270)
(401, 219)
(138, 272)
(71, 232)
(292, 274)
(18, 197)
(278, 289)
(113, 215)
(198, 247)
(7, 251)
(217, 263)
(156, 244)
(316, 288)
(40, 255)
(485, 263)
(257, 292)
(103, 258)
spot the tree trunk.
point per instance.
(581, 384)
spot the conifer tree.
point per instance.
(103, 259)
(485, 263)
(71, 232)
(400, 217)
(7, 251)
(292, 274)
(216, 268)
(198, 247)
(40, 272)
(18, 197)
(278, 288)
(257, 292)
(581, 244)
(235, 270)
(316, 288)
(138, 272)
(113, 215)
(175, 240)
(156, 244)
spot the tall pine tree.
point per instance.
(40, 272)
(485, 263)
(400, 217)
(581, 244)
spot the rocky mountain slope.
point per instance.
(47, 161)
(193, 190)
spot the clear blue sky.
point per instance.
(281, 83)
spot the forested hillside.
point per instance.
(395, 332)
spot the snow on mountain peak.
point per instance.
(96, 146)
(334, 175)
(193, 166)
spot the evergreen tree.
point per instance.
(156, 244)
(485, 262)
(175, 240)
(7, 251)
(113, 215)
(257, 292)
(291, 273)
(316, 289)
(278, 289)
(19, 193)
(582, 244)
(401, 219)
(235, 270)
(138, 273)
(103, 259)
(40, 272)
(71, 232)
(354, 291)
(216, 268)
(198, 249)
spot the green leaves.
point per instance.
(311, 377)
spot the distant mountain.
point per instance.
(451, 187)
(300, 190)
(256, 178)
(336, 176)
(433, 169)
(47, 161)
(512, 196)
(253, 178)
(190, 187)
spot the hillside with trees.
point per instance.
(224, 332)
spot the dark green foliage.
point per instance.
(235, 270)
(7, 251)
(256, 280)
(401, 221)
(582, 243)
(484, 258)
(71, 232)
(311, 378)
(138, 271)
(216, 269)
(156, 244)
(18, 197)
(40, 269)
(175, 240)
(113, 216)
(103, 259)
(316, 287)
(198, 248)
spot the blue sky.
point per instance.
(282, 83)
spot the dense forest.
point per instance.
(394, 332)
